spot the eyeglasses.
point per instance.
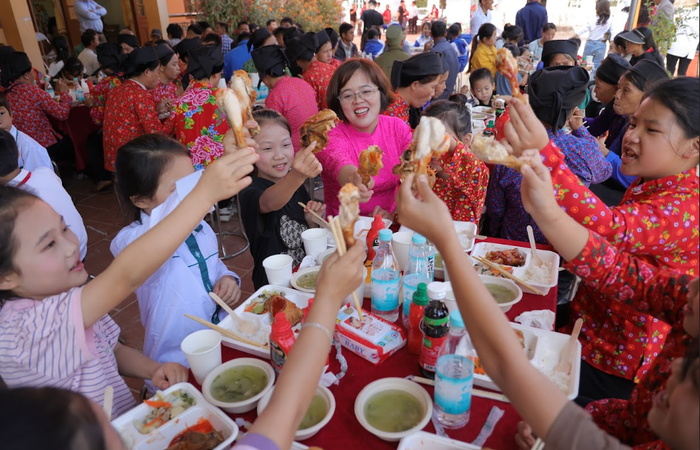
(364, 94)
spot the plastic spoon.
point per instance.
(533, 247)
(564, 365)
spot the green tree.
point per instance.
(666, 28)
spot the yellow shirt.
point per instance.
(484, 56)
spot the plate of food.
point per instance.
(174, 419)
(258, 310)
(516, 260)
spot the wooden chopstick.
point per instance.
(341, 249)
(223, 331)
(539, 444)
(313, 213)
(475, 392)
(507, 274)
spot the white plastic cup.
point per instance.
(589, 60)
(278, 269)
(203, 351)
(401, 243)
(315, 241)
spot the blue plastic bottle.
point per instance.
(418, 271)
(385, 280)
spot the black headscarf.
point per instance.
(109, 56)
(415, 68)
(5, 51)
(138, 60)
(257, 39)
(332, 35)
(612, 68)
(551, 48)
(322, 37)
(205, 61)
(184, 46)
(649, 71)
(164, 51)
(15, 65)
(269, 60)
(301, 47)
(128, 39)
(555, 91)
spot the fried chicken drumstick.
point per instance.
(489, 150)
(317, 128)
(508, 66)
(430, 140)
(370, 163)
(349, 212)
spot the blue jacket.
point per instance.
(462, 43)
(374, 47)
(450, 54)
(235, 59)
(531, 18)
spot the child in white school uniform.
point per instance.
(31, 154)
(54, 327)
(153, 174)
(44, 183)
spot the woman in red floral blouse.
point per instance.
(31, 107)
(111, 60)
(199, 123)
(130, 111)
(168, 72)
(302, 50)
(461, 178)
(414, 81)
(662, 293)
(657, 222)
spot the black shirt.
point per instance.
(275, 232)
(371, 18)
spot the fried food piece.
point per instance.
(349, 212)
(235, 112)
(511, 257)
(408, 166)
(521, 337)
(489, 150)
(431, 141)
(370, 163)
(277, 303)
(316, 129)
(243, 87)
(508, 66)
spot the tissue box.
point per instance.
(373, 338)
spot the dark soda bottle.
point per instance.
(435, 327)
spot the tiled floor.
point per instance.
(103, 220)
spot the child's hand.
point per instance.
(425, 213)
(168, 374)
(383, 213)
(537, 191)
(228, 175)
(524, 130)
(339, 277)
(305, 163)
(317, 207)
(525, 437)
(366, 192)
(227, 289)
(230, 140)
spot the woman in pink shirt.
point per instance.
(359, 93)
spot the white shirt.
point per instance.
(43, 183)
(478, 19)
(412, 12)
(31, 154)
(595, 31)
(686, 41)
(55, 68)
(536, 52)
(89, 59)
(177, 287)
(89, 14)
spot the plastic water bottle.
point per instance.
(430, 252)
(385, 280)
(416, 272)
(454, 376)
(49, 88)
(79, 94)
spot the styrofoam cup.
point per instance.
(203, 351)
(401, 242)
(315, 241)
(278, 269)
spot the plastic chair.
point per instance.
(215, 220)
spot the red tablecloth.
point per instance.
(78, 127)
(345, 432)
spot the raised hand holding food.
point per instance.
(370, 163)
(508, 66)
(316, 129)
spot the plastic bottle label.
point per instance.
(277, 356)
(385, 290)
(430, 351)
(410, 286)
(454, 380)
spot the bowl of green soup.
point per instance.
(317, 415)
(504, 291)
(393, 408)
(236, 386)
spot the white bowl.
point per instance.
(325, 254)
(386, 384)
(306, 433)
(510, 285)
(245, 405)
(301, 272)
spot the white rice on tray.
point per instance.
(546, 365)
(465, 238)
(538, 274)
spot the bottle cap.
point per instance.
(385, 235)
(437, 290)
(491, 124)
(418, 239)
(456, 319)
(281, 324)
(420, 297)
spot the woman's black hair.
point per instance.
(139, 166)
(166, 58)
(479, 74)
(12, 202)
(486, 30)
(619, 41)
(270, 115)
(141, 68)
(454, 114)
(49, 418)
(602, 10)
(523, 48)
(72, 68)
(649, 41)
(681, 96)
(512, 33)
(514, 49)
(548, 26)
(60, 44)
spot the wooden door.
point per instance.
(72, 24)
(141, 30)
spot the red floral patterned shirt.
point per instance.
(399, 108)
(464, 192)
(99, 95)
(199, 124)
(129, 113)
(30, 110)
(335, 63)
(164, 91)
(635, 287)
(657, 222)
(319, 76)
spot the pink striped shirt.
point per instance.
(44, 343)
(295, 99)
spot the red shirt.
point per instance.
(164, 91)
(129, 113)
(464, 192)
(661, 293)
(399, 108)
(656, 222)
(99, 94)
(335, 63)
(319, 76)
(387, 15)
(30, 110)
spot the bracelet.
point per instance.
(320, 327)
